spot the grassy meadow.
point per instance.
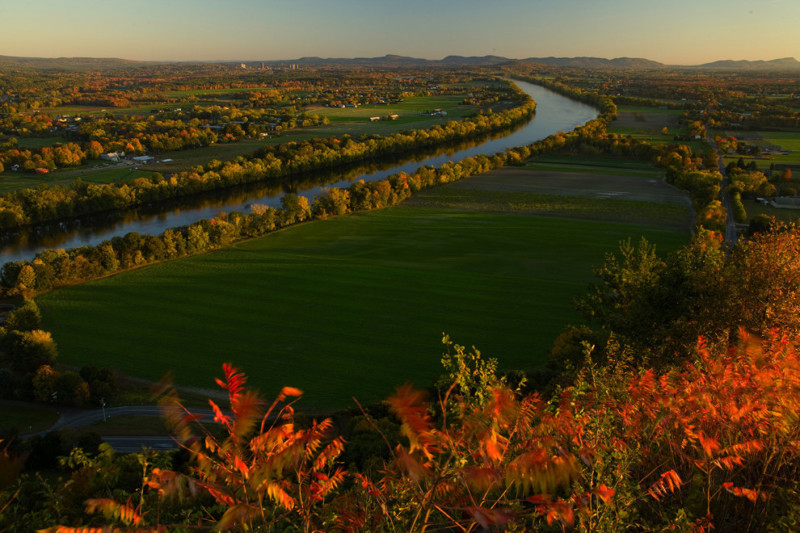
(355, 305)
(646, 124)
(595, 165)
(95, 172)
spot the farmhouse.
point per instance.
(374, 119)
(114, 157)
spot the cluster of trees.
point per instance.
(766, 114)
(227, 116)
(659, 306)
(750, 183)
(49, 157)
(27, 358)
(747, 182)
(46, 204)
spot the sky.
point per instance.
(675, 32)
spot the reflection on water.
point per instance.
(554, 113)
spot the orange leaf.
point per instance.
(114, 510)
(669, 482)
(741, 491)
(280, 496)
(241, 466)
(709, 444)
(604, 493)
(291, 391)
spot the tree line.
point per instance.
(26, 207)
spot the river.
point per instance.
(554, 113)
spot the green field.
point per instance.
(26, 419)
(34, 143)
(113, 175)
(355, 121)
(556, 205)
(210, 92)
(96, 172)
(351, 306)
(646, 124)
(413, 105)
(650, 135)
(754, 209)
(595, 165)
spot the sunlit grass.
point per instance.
(349, 306)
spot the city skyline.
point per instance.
(680, 33)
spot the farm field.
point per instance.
(29, 143)
(565, 194)
(356, 305)
(754, 208)
(787, 140)
(646, 124)
(595, 165)
(96, 172)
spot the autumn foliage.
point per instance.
(711, 444)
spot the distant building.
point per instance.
(374, 119)
(394, 117)
(114, 157)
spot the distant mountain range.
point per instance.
(786, 63)
(395, 61)
(68, 63)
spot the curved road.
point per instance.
(78, 418)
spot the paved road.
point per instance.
(77, 418)
(731, 236)
(133, 444)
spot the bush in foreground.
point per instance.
(711, 444)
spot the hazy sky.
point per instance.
(671, 31)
